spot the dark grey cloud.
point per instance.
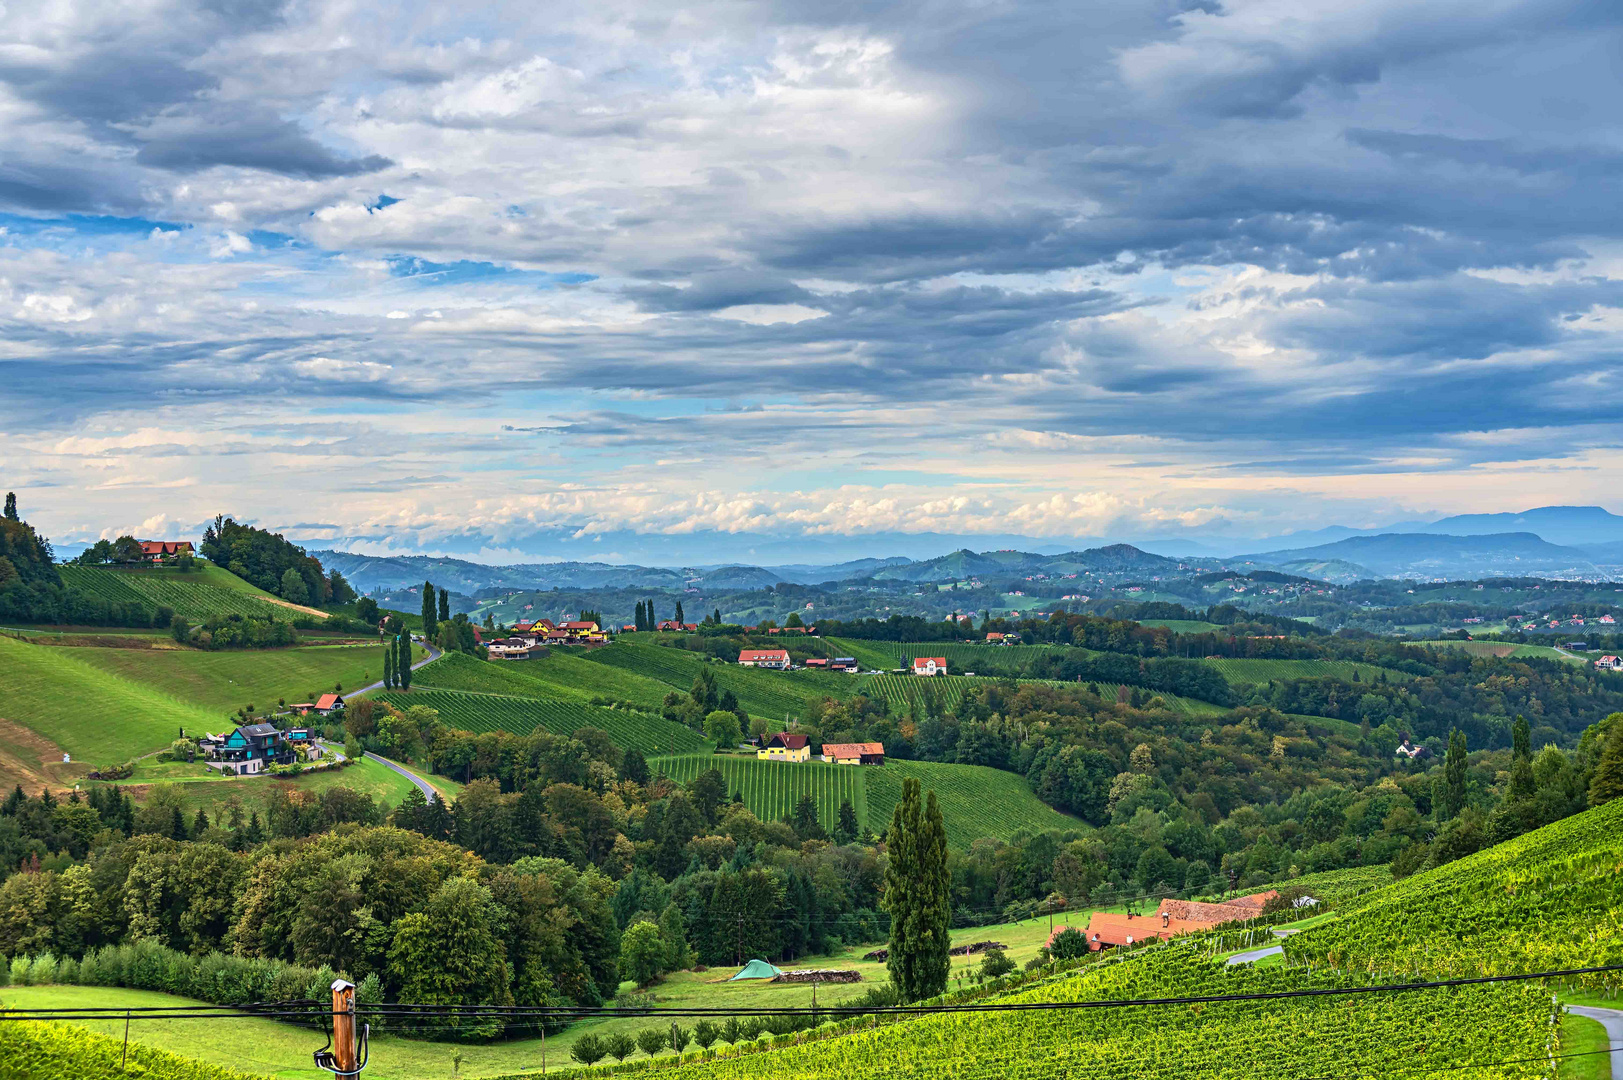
(246, 137)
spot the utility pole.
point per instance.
(343, 1026)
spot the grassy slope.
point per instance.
(227, 680)
(559, 675)
(770, 694)
(91, 713)
(203, 787)
(976, 801)
(480, 712)
(1238, 671)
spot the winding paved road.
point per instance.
(433, 655)
(422, 785)
(1612, 1021)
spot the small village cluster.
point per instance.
(526, 637)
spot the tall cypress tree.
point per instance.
(639, 620)
(402, 665)
(1521, 760)
(429, 610)
(388, 667)
(917, 896)
(678, 613)
(653, 620)
(1453, 793)
(445, 605)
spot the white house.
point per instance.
(777, 659)
(929, 665)
(1610, 663)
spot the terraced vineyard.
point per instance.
(1548, 900)
(521, 715)
(772, 788)
(190, 595)
(1410, 1034)
(1260, 671)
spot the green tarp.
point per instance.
(756, 969)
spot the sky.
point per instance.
(483, 279)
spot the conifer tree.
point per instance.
(917, 897)
(638, 620)
(679, 613)
(11, 506)
(1453, 793)
(1607, 783)
(445, 605)
(429, 610)
(1521, 760)
(402, 664)
(388, 667)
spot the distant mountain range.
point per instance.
(1428, 555)
(1552, 541)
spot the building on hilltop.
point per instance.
(785, 746)
(1174, 917)
(929, 665)
(159, 550)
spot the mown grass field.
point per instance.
(98, 716)
(975, 800)
(204, 788)
(865, 653)
(229, 679)
(478, 712)
(1239, 671)
(199, 595)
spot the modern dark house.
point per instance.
(248, 750)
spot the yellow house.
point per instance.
(785, 747)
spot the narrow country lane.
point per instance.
(1612, 1021)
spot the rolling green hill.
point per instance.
(774, 695)
(559, 675)
(948, 690)
(1548, 900)
(975, 801)
(1242, 671)
(197, 595)
(96, 715)
(477, 712)
(229, 679)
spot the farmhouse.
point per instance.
(817, 662)
(929, 665)
(327, 704)
(1174, 917)
(247, 750)
(843, 663)
(860, 753)
(767, 658)
(785, 746)
(159, 550)
(512, 648)
(675, 627)
(1609, 663)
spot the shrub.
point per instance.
(1069, 944)
(620, 1045)
(705, 1034)
(20, 967)
(995, 964)
(652, 1040)
(588, 1049)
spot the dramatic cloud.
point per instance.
(510, 278)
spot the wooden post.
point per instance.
(343, 1025)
